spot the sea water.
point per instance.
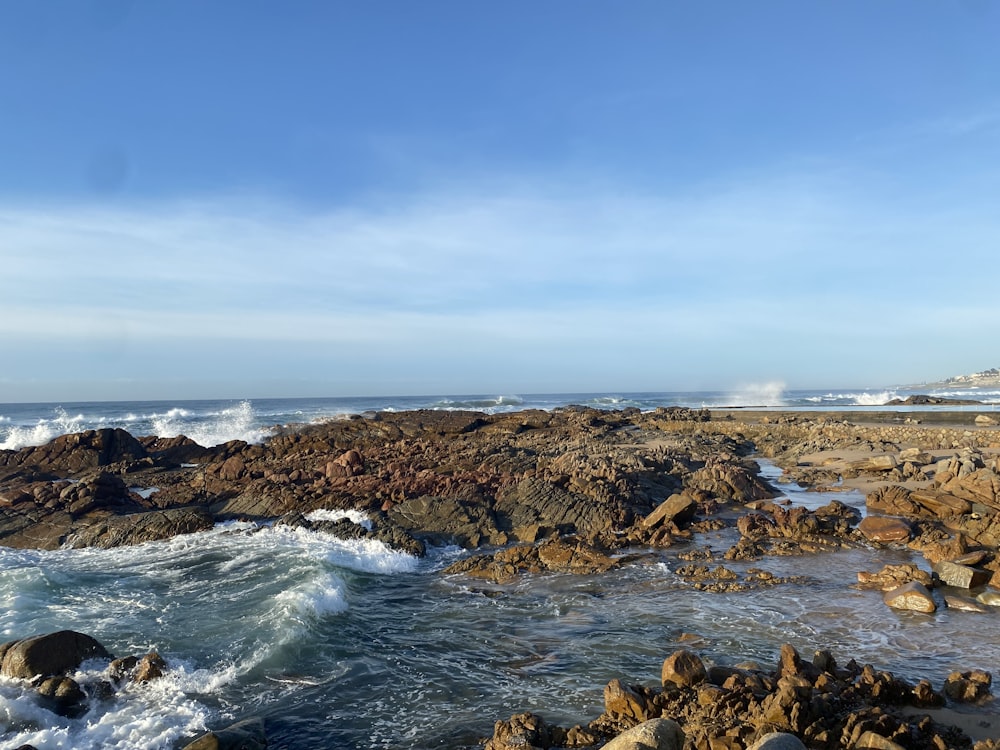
(348, 644)
(211, 422)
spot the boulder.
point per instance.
(50, 655)
(885, 530)
(912, 596)
(248, 734)
(150, 667)
(873, 741)
(961, 576)
(655, 734)
(683, 669)
(778, 741)
(627, 702)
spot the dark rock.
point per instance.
(137, 528)
(63, 695)
(53, 654)
(968, 687)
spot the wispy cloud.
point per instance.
(545, 273)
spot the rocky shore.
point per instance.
(583, 490)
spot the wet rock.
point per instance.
(149, 668)
(248, 734)
(961, 576)
(964, 604)
(911, 596)
(894, 576)
(989, 598)
(52, 654)
(968, 687)
(655, 734)
(552, 556)
(885, 530)
(63, 695)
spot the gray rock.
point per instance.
(778, 741)
(655, 734)
(873, 741)
(961, 576)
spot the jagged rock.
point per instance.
(679, 507)
(633, 704)
(655, 734)
(913, 596)
(960, 576)
(248, 734)
(150, 667)
(49, 655)
(524, 731)
(553, 556)
(137, 528)
(968, 687)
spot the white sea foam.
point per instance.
(758, 394)
(154, 715)
(354, 516)
(44, 430)
(238, 422)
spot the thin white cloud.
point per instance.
(764, 274)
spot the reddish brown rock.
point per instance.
(885, 530)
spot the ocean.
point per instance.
(348, 644)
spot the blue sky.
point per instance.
(240, 199)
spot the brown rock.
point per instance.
(968, 687)
(912, 596)
(683, 669)
(677, 508)
(885, 530)
(49, 655)
(150, 667)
